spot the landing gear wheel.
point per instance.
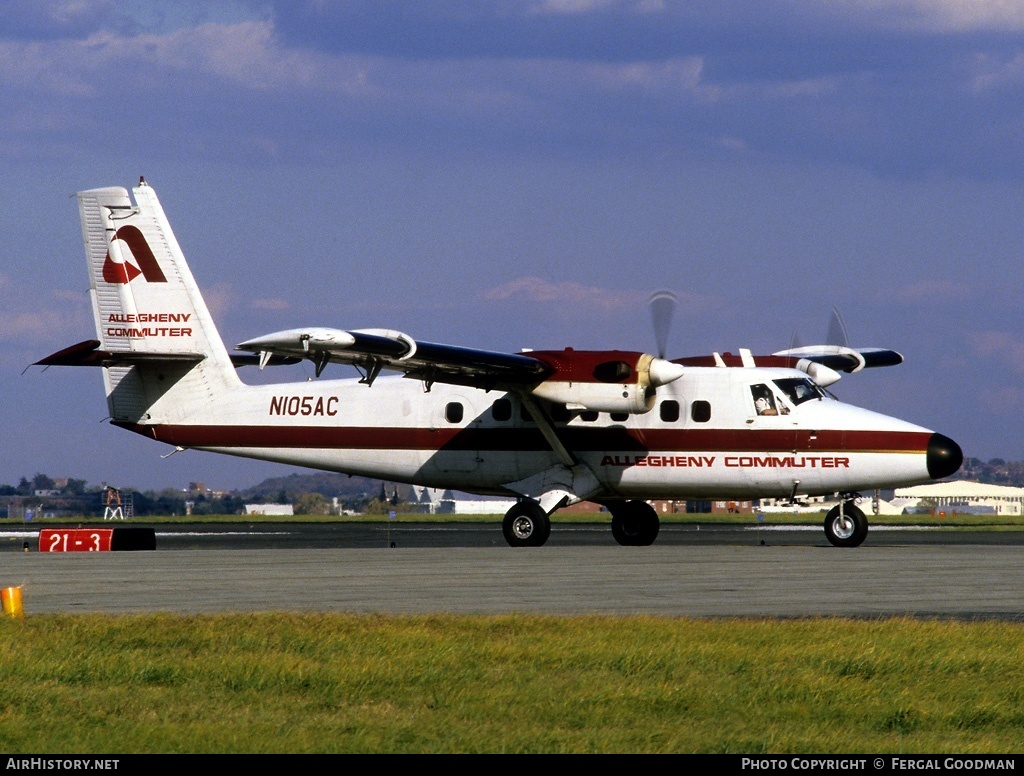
(526, 525)
(634, 523)
(846, 525)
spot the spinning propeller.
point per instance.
(662, 305)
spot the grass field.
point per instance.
(294, 683)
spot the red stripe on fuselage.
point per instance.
(527, 439)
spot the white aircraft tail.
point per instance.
(162, 353)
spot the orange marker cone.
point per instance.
(11, 599)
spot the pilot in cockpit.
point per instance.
(764, 401)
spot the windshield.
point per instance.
(799, 389)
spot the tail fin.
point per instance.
(162, 353)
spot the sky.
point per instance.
(505, 174)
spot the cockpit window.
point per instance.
(799, 389)
(764, 400)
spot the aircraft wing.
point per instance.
(372, 350)
(844, 359)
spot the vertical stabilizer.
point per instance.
(148, 310)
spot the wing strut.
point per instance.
(372, 370)
(321, 363)
(544, 424)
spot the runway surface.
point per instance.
(460, 568)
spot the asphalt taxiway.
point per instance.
(467, 568)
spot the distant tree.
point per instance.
(165, 502)
(42, 482)
(376, 507)
(74, 487)
(311, 504)
(231, 505)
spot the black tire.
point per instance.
(526, 525)
(846, 526)
(634, 523)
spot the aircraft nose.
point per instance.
(944, 456)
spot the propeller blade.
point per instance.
(836, 334)
(662, 305)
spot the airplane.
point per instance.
(549, 427)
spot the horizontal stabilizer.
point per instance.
(88, 353)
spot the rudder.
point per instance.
(165, 351)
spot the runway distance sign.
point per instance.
(75, 539)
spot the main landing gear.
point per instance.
(634, 524)
(846, 525)
(526, 524)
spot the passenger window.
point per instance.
(501, 410)
(669, 411)
(700, 411)
(620, 417)
(453, 412)
(589, 416)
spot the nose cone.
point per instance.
(944, 456)
(663, 372)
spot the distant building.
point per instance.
(963, 496)
(702, 506)
(269, 509)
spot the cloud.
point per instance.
(569, 76)
(927, 290)
(577, 7)
(244, 54)
(999, 345)
(269, 304)
(538, 290)
(29, 324)
(219, 299)
(31, 316)
(45, 19)
(534, 289)
(946, 15)
(994, 73)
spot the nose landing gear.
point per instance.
(846, 525)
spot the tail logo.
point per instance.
(118, 273)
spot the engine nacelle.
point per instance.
(604, 381)
(821, 374)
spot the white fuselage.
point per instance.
(711, 443)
